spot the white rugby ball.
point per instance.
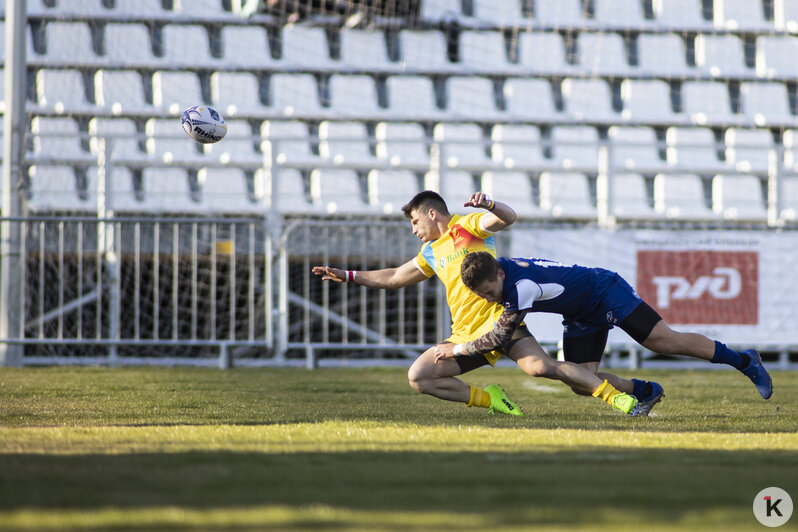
(203, 124)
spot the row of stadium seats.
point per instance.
(748, 15)
(340, 191)
(309, 48)
(241, 94)
(408, 144)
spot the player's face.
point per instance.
(492, 289)
(424, 226)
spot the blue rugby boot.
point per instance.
(758, 374)
(645, 404)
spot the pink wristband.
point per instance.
(350, 275)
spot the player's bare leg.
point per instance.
(438, 380)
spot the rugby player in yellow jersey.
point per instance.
(448, 238)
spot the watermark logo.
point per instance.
(772, 506)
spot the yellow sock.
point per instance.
(606, 392)
(479, 397)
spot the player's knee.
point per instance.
(536, 367)
(415, 376)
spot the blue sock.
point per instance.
(724, 355)
(639, 390)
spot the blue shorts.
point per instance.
(614, 300)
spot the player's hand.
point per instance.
(478, 200)
(444, 351)
(330, 274)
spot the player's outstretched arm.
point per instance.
(390, 278)
(502, 332)
(501, 215)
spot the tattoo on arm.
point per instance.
(502, 332)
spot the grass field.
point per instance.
(356, 449)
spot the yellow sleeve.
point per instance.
(422, 264)
(473, 224)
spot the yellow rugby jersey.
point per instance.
(472, 316)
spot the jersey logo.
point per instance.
(462, 238)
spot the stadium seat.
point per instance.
(629, 197)
(79, 51)
(484, 51)
(748, 150)
(681, 196)
(288, 191)
(169, 144)
(122, 138)
(247, 47)
(679, 14)
(55, 188)
(121, 194)
(662, 55)
(139, 7)
(236, 94)
(62, 91)
(513, 188)
(766, 103)
(646, 101)
(500, 13)
(561, 13)
(543, 53)
(305, 47)
(588, 99)
(57, 139)
(785, 15)
(345, 143)
(453, 185)
(472, 98)
(692, 149)
(789, 140)
(187, 45)
(288, 143)
(720, 55)
(225, 191)
(423, 51)
(128, 44)
(789, 198)
(517, 146)
(366, 50)
(354, 96)
(566, 195)
(167, 190)
(338, 191)
(530, 99)
(389, 190)
(411, 97)
(627, 13)
(121, 92)
(740, 15)
(199, 8)
(738, 197)
(295, 95)
(575, 147)
(402, 144)
(707, 102)
(461, 145)
(603, 54)
(775, 56)
(440, 10)
(634, 148)
(238, 147)
(172, 92)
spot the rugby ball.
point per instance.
(203, 124)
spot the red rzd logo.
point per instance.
(701, 287)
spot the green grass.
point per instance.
(357, 449)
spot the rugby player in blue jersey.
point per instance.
(591, 301)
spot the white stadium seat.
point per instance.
(402, 144)
(662, 55)
(128, 43)
(720, 55)
(484, 51)
(679, 14)
(168, 143)
(517, 146)
(765, 103)
(173, 92)
(513, 188)
(560, 13)
(187, 45)
(566, 195)
(167, 190)
(389, 190)
(602, 53)
(789, 140)
(789, 198)
(530, 99)
(692, 149)
(55, 188)
(785, 15)
(305, 47)
(423, 51)
(238, 147)
(472, 98)
(121, 138)
(707, 102)
(575, 147)
(345, 143)
(629, 197)
(61, 90)
(121, 91)
(775, 56)
(288, 143)
(57, 138)
(541, 52)
(411, 97)
(438, 10)
(588, 99)
(498, 12)
(634, 148)
(139, 7)
(748, 150)
(295, 95)
(738, 197)
(288, 192)
(681, 196)
(363, 49)
(453, 185)
(461, 145)
(740, 15)
(121, 194)
(628, 13)
(77, 34)
(354, 96)
(646, 101)
(338, 191)
(247, 47)
(236, 94)
(225, 191)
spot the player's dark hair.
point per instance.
(477, 268)
(426, 199)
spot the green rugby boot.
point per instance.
(625, 403)
(500, 403)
